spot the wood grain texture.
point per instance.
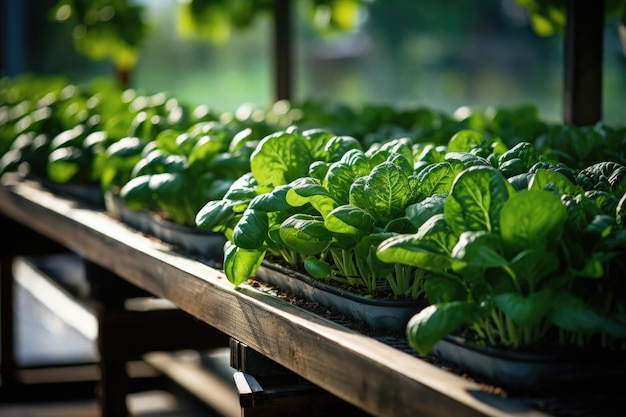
(364, 372)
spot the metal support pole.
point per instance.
(582, 101)
(282, 49)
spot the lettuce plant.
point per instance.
(252, 210)
(206, 159)
(520, 268)
(324, 203)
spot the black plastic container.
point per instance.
(533, 371)
(377, 313)
(192, 239)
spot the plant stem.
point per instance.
(499, 326)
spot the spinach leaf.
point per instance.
(437, 321)
(475, 200)
(419, 213)
(305, 234)
(437, 178)
(387, 192)
(280, 158)
(430, 248)
(525, 310)
(604, 176)
(241, 264)
(532, 219)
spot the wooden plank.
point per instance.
(358, 369)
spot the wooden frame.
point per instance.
(365, 372)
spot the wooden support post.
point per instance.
(22, 241)
(582, 101)
(268, 389)
(282, 50)
(125, 334)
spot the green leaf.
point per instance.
(137, 193)
(476, 198)
(166, 142)
(214, 214)
(243, 189)
(280, 158)
(419, 213)
(548, 179)
(338, 181)
(318, 169)
(465, 140)
(437, 321)
(251, 229)
(534, 264)
(318, 268)
(275, 200)
(318, 138)
(532, 218)
(438, 178)
(443, 289)
(387, 192)
(357, 193)
(309, 190)
(479, 249)
(204, 150)
(429, 248)
(604, 176)
(525, 310)
(337, 146)
(572, 313)
(305, 234)
(241, 264)
(466, 159)
(620, 211)
(366, 259)
(64, 164)
(349, 220)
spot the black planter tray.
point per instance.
(377, 313)
(195, 240)
(530, 371)
(89, 194)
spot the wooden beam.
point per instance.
(282, 50)
(582, 101)
(358, 369)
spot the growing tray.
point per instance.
(89, 194)
(377, 313)
(533, 371)
(192, 239)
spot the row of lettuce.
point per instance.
(512, 228)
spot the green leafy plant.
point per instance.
(206, 159)
(520, 269)
(324, 203)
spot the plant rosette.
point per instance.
(320, 202)
(529, 269)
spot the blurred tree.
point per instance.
(105, 30)
(549, 16)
